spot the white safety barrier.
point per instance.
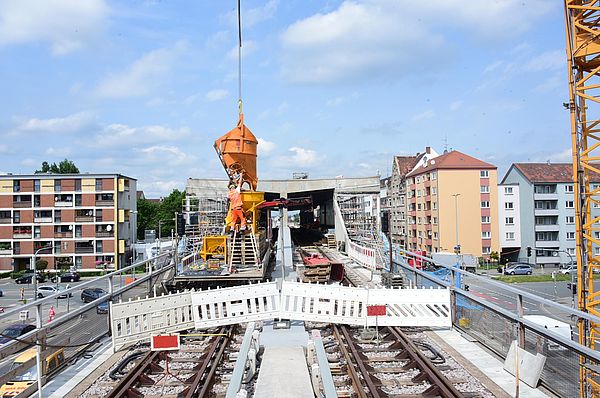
(365, 256)
(237, 304)
(134, 321)
(348, 305)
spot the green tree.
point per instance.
(168, 207)
(147, 217)
(64, 167)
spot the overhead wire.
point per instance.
(239, 15)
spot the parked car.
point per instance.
(67, 277)
(28, 278)
(15, 330)
(48, 290)
(518, 269)
(567, 270)
(91, 294)
(102, 308)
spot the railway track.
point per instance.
(189, 372)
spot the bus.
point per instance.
(22, 381)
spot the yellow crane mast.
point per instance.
(582, 19)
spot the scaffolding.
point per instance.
(361, 222)
(205, 216)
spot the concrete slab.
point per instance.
(490, 366)
(283, 374)
(296, 335)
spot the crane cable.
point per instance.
(239, 15)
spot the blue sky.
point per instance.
(330, 88)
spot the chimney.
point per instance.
(428, 149)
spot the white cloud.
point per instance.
(252, 16)
(4, 148)
(265, 147)
(66, 25)
(68, 124)
(549, 84)
(302, 156)
(428, 114)
(121, 134)
(493, 66)
(164, 154)
(550, 60)
(373, 39)
(142, 76)
(562, 156)
(248, 47)
(160, 188)
(58, 152)
(456, 105)
(216, 95)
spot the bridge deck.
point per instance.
(283, 374)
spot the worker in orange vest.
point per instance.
(51, 314)
(236, 206)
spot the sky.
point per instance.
(144, 87)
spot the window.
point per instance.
(57, 216)
(434, 190)
(508, 190)
(99, 215)
(569, 188)
(509, 220)
(486, 250)
(570, 220)
(509, 205)
(418, 206)
(78, 199)
(434, 220)
(596, 234)
(486, 234)
(37, 232)
(78, 185)
(418, 179)
(36, 185)
(570, 235)
(99, 246)
(485, 204)
(419, 220)
(16, 186)
(36, 200)
(57, 186)
(16, 217)
(435, 236)
(569, 204)
(78, 262)
(420, 234)
(484, 174)
(98, 184)
(78, 231)
(433, 175)
(596, 250)
(571, 250)
(485, 219)
(434, 205)
(484, 189)
(510, 236)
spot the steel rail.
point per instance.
(123, 387)
(356, 383)
(373, 390)
(440, 384)
(215, 362)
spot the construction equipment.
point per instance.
(582, 19)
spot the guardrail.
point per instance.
(155, 267)
(499, 324)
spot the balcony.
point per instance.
(85, 249)
(22, 235)
(22, 204)
(546, 212)
(5, 220)
(42, 219)
(545, 196)
(104, 234)
(546, 227)
(63, 204)
(547, 260)
(547, 243)
(68, 234)
(6, 252)
(105, 203)
(84, 219)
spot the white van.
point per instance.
(561, 328)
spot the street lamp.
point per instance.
(572, 274)
(38, 322)
(134, 233)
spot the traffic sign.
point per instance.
(164, 342)
(376, 310)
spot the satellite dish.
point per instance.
(109, 228)
(432, 161)
(70, 227)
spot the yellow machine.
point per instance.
(23, 381)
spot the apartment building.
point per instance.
(537, 210)
(397, 201)
(440, 188)
(85, 220)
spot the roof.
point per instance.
(405, 164)
(547, 172)
(453, 160)
(53, 176)
(140, 195)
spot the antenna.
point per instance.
(445, 143)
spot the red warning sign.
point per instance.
(376, 310)
(164, 342)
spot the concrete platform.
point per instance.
(283, 374)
